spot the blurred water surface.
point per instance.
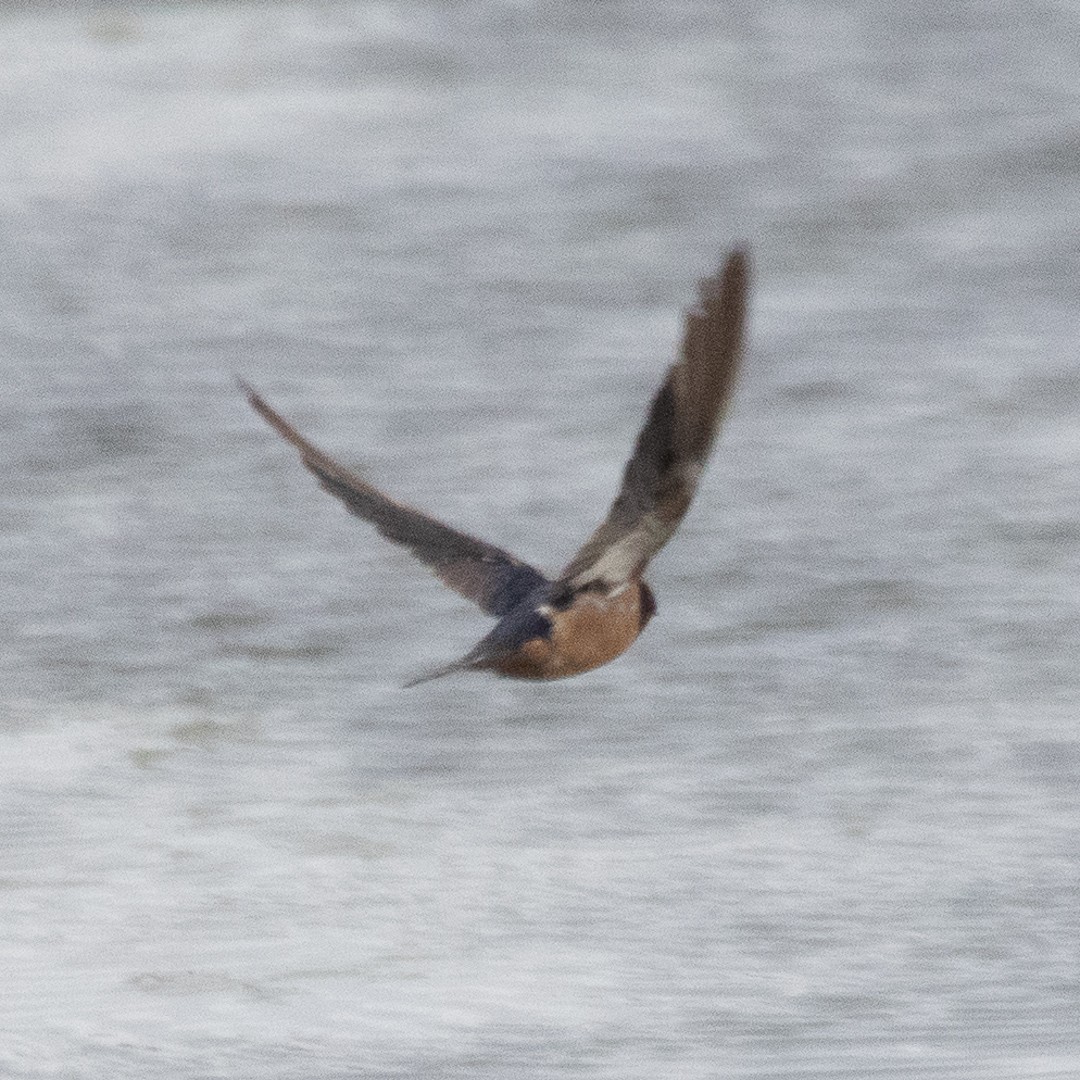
(821, 821)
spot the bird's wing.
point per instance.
(490, 577)
(662, 474)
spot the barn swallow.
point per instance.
(549, 628)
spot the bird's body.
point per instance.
(586, 633)
(549, 628)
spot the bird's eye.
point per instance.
(560, 599)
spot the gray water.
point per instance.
(821, 821)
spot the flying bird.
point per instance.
(552, 627)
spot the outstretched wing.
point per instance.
(487, 575)
(662, 474)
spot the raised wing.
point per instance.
(487, 575)
(662, 474)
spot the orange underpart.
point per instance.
(591, 631)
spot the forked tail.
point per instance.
(437, 673)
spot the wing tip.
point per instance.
(739, 251)
(307, 450)
(255, 399)
(730, 281)
(245, 387)
(738, 261)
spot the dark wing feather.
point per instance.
(483, 573)
(662, 474)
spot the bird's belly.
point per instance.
(592, 631)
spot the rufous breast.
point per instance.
(592, 630)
